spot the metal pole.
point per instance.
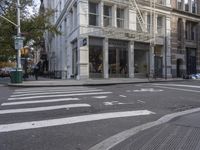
(19, 66)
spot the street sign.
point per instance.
(19, 42)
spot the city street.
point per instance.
(79, 117)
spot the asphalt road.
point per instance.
(76, 118)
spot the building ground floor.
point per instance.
(97, 57)
(185, 62)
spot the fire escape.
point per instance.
(141, 33)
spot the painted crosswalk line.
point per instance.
(179, 85)
(52, 92)
(61, 95)
(71, 120)
(37, 109)
(51, 88)
(39, 101)
(178, 89)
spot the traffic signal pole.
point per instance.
(19, 66)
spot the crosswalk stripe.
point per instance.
(53, 90)
(71, 120)
(50, 88)
(35, 109)
(50, 93)
(62, 95)
(39, 101)
(178, 89)
(179, 85)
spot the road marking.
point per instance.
(122, 96)
(70, 120)
(23, 110)
(148, 90)
(51, 90)
(179, 85)
(115, 103)
(50, 93)
(139, 101)
(114, 140)
(39, 101)
(62, 95)
(179, 89)
(100, 97)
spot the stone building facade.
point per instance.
(104, 39)
(185, 37)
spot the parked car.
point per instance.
(5, 72)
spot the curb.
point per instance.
(109, 143)
(88, 84)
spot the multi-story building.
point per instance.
(185, 39)
(110, 38)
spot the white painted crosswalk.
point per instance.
(36, 109)
(47, 99)
(179, 87)
(70, 120)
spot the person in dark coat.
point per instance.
(36, 70)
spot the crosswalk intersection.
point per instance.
(47, 100)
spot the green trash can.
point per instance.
(16, 76)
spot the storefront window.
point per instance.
(118, 59)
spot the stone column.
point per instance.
(183, 37)
(131, 59)
(155, 24)
(151, 61)
(101, 14)
(168, 47)
(145, 15)
(83, 59)
(190, 5)
(105, 59)
(63, 51)
(114, 15)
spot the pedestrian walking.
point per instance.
(36, 71)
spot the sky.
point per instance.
(37, 4)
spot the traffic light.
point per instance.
(24, 51)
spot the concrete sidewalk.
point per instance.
(181, 133)
(46, 82)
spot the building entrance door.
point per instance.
(191, 61)
(158, 66)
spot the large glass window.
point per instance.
(118, 59)
(107, 16)
(120, 18)
(96, 57)
(93, 14)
